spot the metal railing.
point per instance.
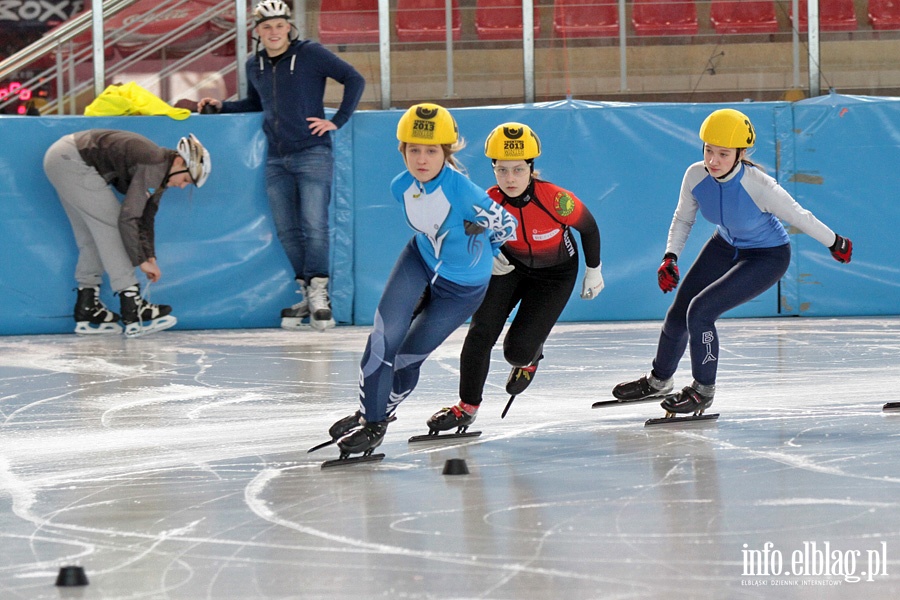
(71, 53)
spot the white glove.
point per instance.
(593, 282)
(501, 265)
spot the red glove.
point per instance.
(841, 249)
(667, 274)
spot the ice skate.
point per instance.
(361, 439)
(141, 317)
(340, 429)
(91, 315)
(320, 316)
(520, 377)
(458, 417)
(292, 318)
(693, 400)
(645, 389)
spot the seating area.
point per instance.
(743, 16)
(585, 18)
(348, 22)
(356, 21)
(426, 20)
(502, 20)
(834, 15)
(884, 14)
(664, 17)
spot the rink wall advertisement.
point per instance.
(223, 266)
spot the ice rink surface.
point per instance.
(175, 467)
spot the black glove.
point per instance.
(841, 249)
(667, 274)
(473, 228)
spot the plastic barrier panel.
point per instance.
(223, 266)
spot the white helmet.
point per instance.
(196, 158)
(271, 9)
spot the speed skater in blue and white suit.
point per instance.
(748, 253)
(439, 279)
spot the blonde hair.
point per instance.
(745, 158)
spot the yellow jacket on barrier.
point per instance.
(131, 99)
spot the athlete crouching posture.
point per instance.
(439, 278)
(536, 271)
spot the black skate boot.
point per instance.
(342, 427)
(91, 315)
(458, 417)
(644, 388)
(694, 399)
(362, 439)
(141, 317)
(520, 377)
(292, 318)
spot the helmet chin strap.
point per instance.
(171, 175)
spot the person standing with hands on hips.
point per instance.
(117, 237)
(748, 253)
(536, 271)
(439, 278)
(287, 79)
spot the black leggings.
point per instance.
(541, 295)
(721, 278)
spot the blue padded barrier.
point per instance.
(223, 266)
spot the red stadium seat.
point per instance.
(884, 14)
(585, 18)
(743, 16)
(424, 20)
(834, 15)
(502, 19)
(664, 17)
(348, 22)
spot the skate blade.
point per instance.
(508, 404)
(292, 323)
(428, 437)
(85, 328)
(136, 330)
(680, 420)
(891, 406)
(322, 445)
(352, 460)
(617, 402)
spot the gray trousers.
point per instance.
(93, 209)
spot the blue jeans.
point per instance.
(721, 278)
(406, 331)
(299, 190)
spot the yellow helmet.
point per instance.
(427, 123)
(728, 128)
(512, 141)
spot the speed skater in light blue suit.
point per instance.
(748, 253)
(439, 279)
